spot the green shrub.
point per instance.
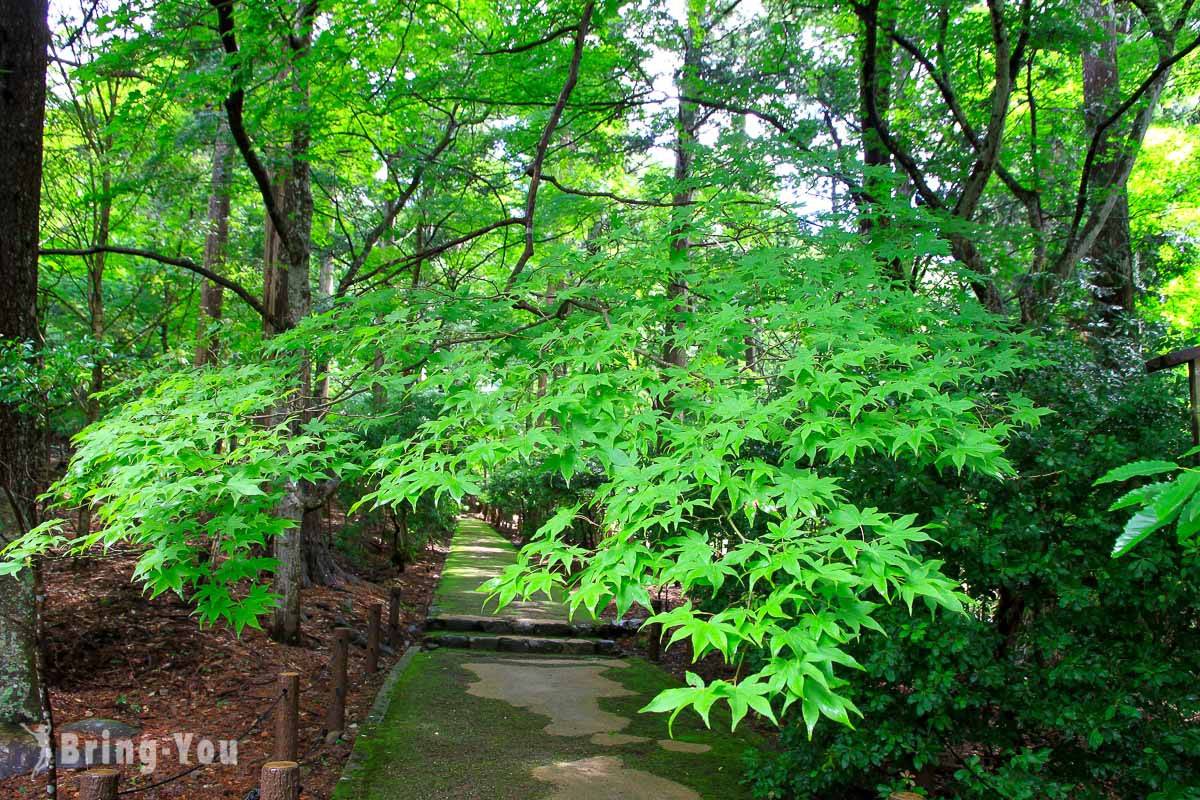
(1074, 675)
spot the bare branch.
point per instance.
(150, 255)
(535, 169)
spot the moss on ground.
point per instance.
(437, 741)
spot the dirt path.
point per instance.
(460, 723)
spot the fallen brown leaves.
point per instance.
(116, 654)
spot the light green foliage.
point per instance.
(850, 366)
(196, 460)
(1157, 505)
(425, 127)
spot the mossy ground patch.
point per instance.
(503, 726)
(477, 554)
(439, 741)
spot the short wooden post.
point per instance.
(1191, 357)
(99, 784)
(336, 720)
(287, 717)
(654, 633)
(905, 796)
(373, 614)
(280, 780)
(394, 617)
(1194, 389)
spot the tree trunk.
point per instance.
(875, 58)
(23, 40)
(216, 242)
(320, 569)
(324, 303)
(1112, 253)
(292, 294)
(686, 124)
(95, 268)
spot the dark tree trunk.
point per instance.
(1112, 254)
(875, 67)
(23, 40)
(319, 567)
(288, 298)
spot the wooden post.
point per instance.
(373, 614)
(654, 633)
(336, 720)
(394, 617)
(1191, 357)
(287, 717)
(99, 784)
(905, 796)
(1194, 389)
(280, 780)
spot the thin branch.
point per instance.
(550, 179)
(521, 48)
(150, 255)
(394, 209)
(775, 122)
(441, 248)
(535, 169)
(235, 104)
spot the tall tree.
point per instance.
(216, 242)
(23, 40)
(1112, 254)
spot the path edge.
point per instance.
(374, 719)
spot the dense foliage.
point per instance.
(1071, 675)
(826, 313)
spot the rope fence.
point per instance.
(279, 778)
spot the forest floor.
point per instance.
(115, 653)
(469, 724)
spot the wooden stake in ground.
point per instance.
(287, 717)
(394, 617)
(280, 780)
(99, 784)
(373, 614)
(1191, 357)
(336, 721)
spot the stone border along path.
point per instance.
(463, 720)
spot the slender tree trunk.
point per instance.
(319, 567)
(95, 267)
(875, 60)
(293, 295)
(23, 41)
(216, 243)
(875, 63)
(324, 303)
(1112, 253)
(686, 125)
